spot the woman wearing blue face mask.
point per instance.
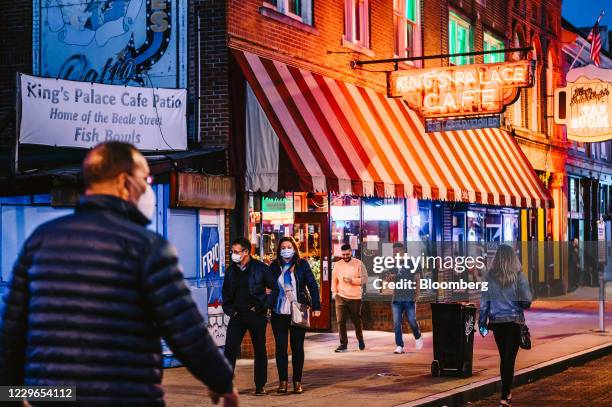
(294, 282)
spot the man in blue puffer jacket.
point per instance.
(93, 293)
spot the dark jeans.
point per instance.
(399, 308)
(507, 337)
(256, 325)
(283, 330)
(352, 309)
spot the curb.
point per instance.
(475, 391)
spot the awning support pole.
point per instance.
(355, 64)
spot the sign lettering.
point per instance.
(204, 191)
(584, 106)
(460, 90)
(77, 114)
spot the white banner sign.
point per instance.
(64, 113)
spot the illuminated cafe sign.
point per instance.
(584, 106)
(464, 90)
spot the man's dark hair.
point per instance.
(398, 245)
(106, 161)
(243, 242)
(345, 246)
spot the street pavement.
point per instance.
(586, 385)
(377, 377)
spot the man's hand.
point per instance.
(229, 399)
(316, 313)
(268, 291)
(333, 296)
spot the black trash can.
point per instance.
(453, 338)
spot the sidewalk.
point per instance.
(353, 378)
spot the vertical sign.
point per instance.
(211, 274)
(116, 42)
(601, 241)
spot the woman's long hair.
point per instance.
(289, 239)
(506, 266)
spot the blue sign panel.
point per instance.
(118, 42)
(462, 123)
(211, 275)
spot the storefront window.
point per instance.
(573, 193)
(21, 221)
(383, 225)
(603, 199)
(310, 202)
(276, 221)
(345, 214)
(493, 228)
(383, 221)
(510, 231)
(255, 224)
(474, 226)
(418, 220)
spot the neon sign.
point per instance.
(584, 106)
(461, 90)
(116, 42)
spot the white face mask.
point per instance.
(287, 253)
(236, 257)
(146, 203)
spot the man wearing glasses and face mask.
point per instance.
(93, 293)
(246, 299)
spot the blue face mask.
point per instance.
(287, 253)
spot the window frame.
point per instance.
(603, 151)
(401, 47)
(282, 6)
(350, 19)
(460, 21)
(534, 120)
(490, 40)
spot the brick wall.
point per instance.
(15, 56)
(377, 316)
(214, 112)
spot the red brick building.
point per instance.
(323, 38)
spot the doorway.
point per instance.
(311, 233)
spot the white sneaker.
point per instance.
(418, 343)
(399, 350)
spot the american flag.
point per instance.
(595, 38)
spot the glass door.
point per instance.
(311, 233)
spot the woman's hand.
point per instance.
(316, 314)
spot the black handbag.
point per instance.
(525, 342)
(525, 337)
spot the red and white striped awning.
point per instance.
(335, 136)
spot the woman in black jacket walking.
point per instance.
(294, 282)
